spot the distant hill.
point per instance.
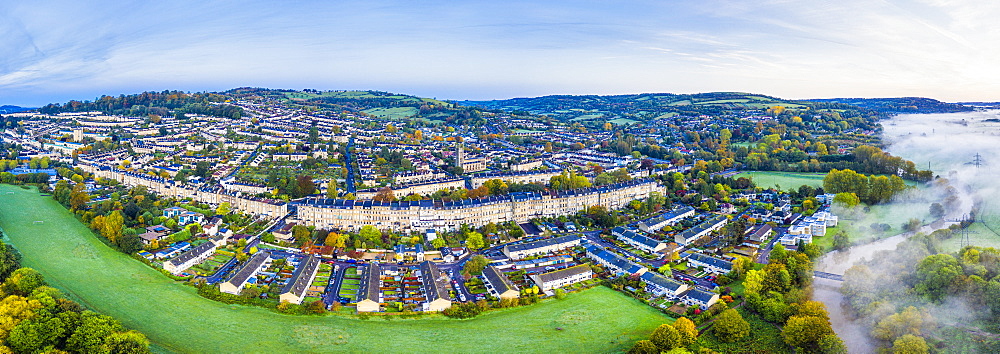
(988, 105)
(902, 104)
(13, 109)
(385, 105)
(625, 109)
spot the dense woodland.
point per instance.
(777, 296)
(920, 298)
(147, 103)
(902, 104)
(36, 318)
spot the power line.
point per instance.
(966, 222)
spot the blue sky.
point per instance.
(53, 51)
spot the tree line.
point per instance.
(35, 317)
(869, 189)
(146, 103)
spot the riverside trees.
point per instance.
(910, 294)
(868, 189)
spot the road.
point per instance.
(766, 252)
(349, 155)
(332, 291)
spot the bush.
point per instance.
(466, 310)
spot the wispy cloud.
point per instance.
(59, 49)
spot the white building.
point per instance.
(190, 258)
(666, 219)
(563, 277)
(524, 250)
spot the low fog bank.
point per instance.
(948, 144)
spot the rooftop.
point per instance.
(250, 268)
(300, 280)
(563, 273)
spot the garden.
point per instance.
(350, 284)
(213, 263)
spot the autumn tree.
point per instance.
(331, 188)
(306, 186)
(804, 332)
(224, 209)
(112, 227)
(910, 344)
(474, 241)
(687, 331)
(730, 326)
(10, 259)
(909, 321)
(846, 199)
(334, 239)
(79, 197)
(475, 265)
(644, 346)
(370, 233)
(23, 281)
(665, 337)
(384, 195)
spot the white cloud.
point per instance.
(941, 49)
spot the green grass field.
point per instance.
(587, 117)
(785, 179)
(623, 121)
(176, 319)
(788, 180)
(979, 235)
(394, 113)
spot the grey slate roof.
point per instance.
(250, 268)
(192, 253)
(614, 259)
(700, 295)
(708, 223)
(667, 215)
(661, 281)
(300, 280)
(541, 243)
(432, 278)
(563, 273)
(372, 278)
(622, 232)
(499, 281)
(715, 262)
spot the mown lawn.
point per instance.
(786, 180)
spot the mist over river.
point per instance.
(947, 144)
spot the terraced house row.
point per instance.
(169, 188)
(440, 215)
